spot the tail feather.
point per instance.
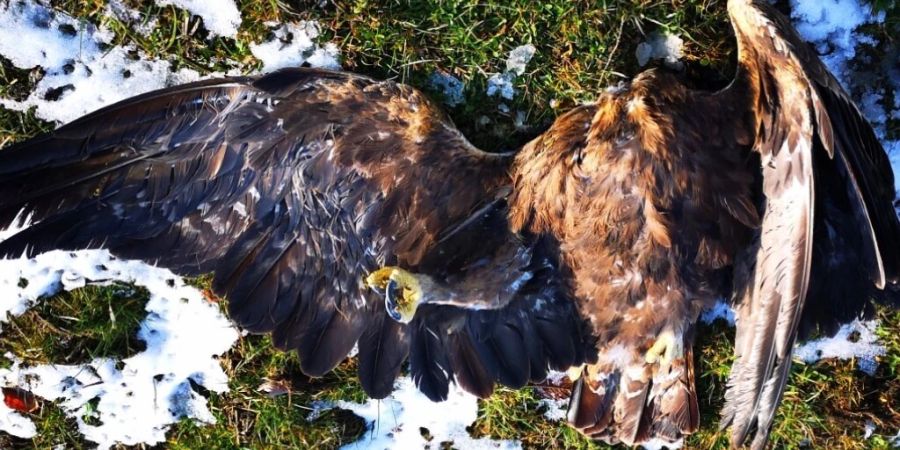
(628, 401)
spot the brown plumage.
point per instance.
(595, 246)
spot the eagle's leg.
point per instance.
(666, 348)
(402, 291)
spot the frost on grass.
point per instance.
(400, 420)
(502, 83)
(665, 46)
(82, 71)
(855, 340)
(450, 86)
(133, 401)
(220, 17)
(293, 45)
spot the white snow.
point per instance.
(450, 86)
(869, 429)
(832, 26)
(665, 46)
(220, 17)
(502, 83)
(81, 75)
(658, 444)
(396, 421)
(293, 44)
(855, 340)
(721, 310)
(184, 334)
(556, 409)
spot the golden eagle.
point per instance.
(337, 210)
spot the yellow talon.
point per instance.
(402, 291)
(665, 349)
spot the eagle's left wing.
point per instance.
(291, 188)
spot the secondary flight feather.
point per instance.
(335, 210)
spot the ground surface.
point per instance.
(580, 47)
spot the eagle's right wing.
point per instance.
(290, 188)
(829, 234)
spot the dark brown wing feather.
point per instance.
(825, 179)
(290, 188)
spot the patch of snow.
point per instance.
(870, 428)
(665, 46)
(833, 28)
(895, 441)
(220, 17)
(502, 83)
(659, 444)
(519, 58)
(136, 404)
(396, 421)
(853, 340)
(721, 310)
(450, 86)
(556, 408)
(292, 45)
(80, 66)
(556, 377)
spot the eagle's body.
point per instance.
(595, 247)
(650, 205)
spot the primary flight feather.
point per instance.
(335, 210)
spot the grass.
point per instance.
(582, 46)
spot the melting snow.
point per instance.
(80, 66)
(665, 46)
(833, 28)
(555, 409)
(853, 340)
(502, 83)
(450, 86)
(220, 17)
(183, 332)
(292, 45)
(659, 444)
(720, 310)
(396, 421)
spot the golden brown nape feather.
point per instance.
(662, 198)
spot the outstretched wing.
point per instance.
(829, 233)
(290, 188)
